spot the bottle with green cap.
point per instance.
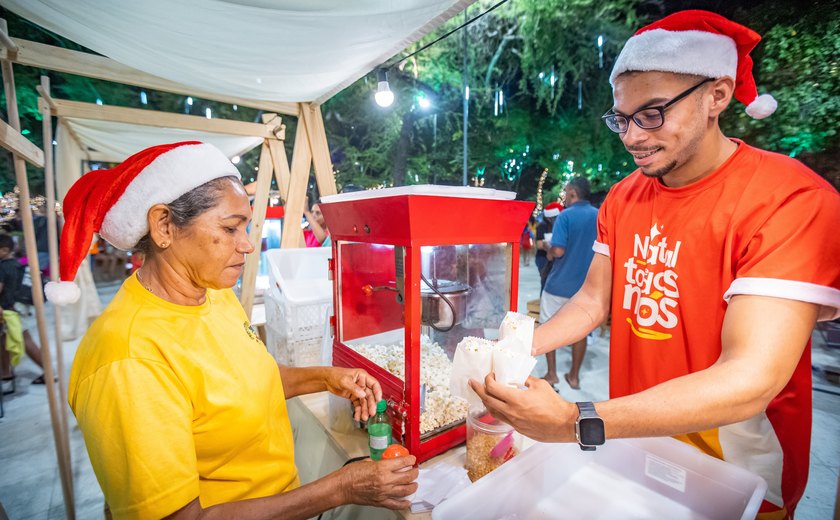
(379, 431)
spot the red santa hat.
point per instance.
(701, 43)
(553, 209)
(115, 202)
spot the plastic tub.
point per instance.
(633, 478)
(490, 443)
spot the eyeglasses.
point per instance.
(647, 118)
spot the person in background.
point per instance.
(526, 241)
(715, 259)
(573, 234)
(14, 340)
(182, 408)
(544, 228)
(317, 234)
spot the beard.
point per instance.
(661, 172)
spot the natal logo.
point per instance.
(650, 291)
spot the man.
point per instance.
(715, 259)
(571, 253)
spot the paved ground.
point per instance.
(30, 487)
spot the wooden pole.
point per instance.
(52, 237)
(65, 469)
(252, 263)
(317, 136)
(279, 158)
(301, 163)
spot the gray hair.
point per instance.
(186, 208)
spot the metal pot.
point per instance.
(435, 309)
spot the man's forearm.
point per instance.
(571, 324)
(301, 381)
(695, 402)
(587, 309)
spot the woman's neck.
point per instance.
(170, 283)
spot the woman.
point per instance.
(182, 409)
(317, 234)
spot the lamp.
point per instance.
(384, 97)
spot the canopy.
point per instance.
(116, 141)
(272, 50)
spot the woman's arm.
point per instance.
(354, 384)
(380, 484)
(319, 232)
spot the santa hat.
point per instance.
(701, 43)
(553, 209)
(115, 202)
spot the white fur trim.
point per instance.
(684, 52)
(166, 178)
(551, 212)
(62, 293)
(763, 106)
(601, 248)
(827, 297)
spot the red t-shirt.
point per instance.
(761, 224)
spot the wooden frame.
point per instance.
(310, 148)
(57, 409)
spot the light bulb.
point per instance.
(384, 97)
(235, 159)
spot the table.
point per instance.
(320, 450)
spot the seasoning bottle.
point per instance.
(379, 431)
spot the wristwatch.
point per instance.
(589, 427)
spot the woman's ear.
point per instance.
(161, 228)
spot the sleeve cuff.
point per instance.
(602, 249)
(827, 297)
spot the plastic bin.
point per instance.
(633, 478)
(297, 304)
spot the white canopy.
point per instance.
(272, 50)
(114, 142)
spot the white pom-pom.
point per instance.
(763, 106)
(62, 293)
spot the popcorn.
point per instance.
(435, 369)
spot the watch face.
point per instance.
(591, 431)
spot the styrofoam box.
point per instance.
(627, 479)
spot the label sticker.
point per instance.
(669, 474)
(379, 443)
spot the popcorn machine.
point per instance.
(415, 270)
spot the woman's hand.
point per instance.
(383, 484)
(356, 385)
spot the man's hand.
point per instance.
(538, 412)
(356, 385)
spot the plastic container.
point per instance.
(490, 443)
(633, 478)
(297, 304)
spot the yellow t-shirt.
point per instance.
(177, 402)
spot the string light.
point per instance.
(539, 206)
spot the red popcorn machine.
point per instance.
(415, 270)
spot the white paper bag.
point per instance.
(519, 328)
(473, 359)
(512, 368)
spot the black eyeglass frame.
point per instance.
(660, 108)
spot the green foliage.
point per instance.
(800, 66)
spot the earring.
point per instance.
(164, 245)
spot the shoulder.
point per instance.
(627, 187)
(781, 173)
